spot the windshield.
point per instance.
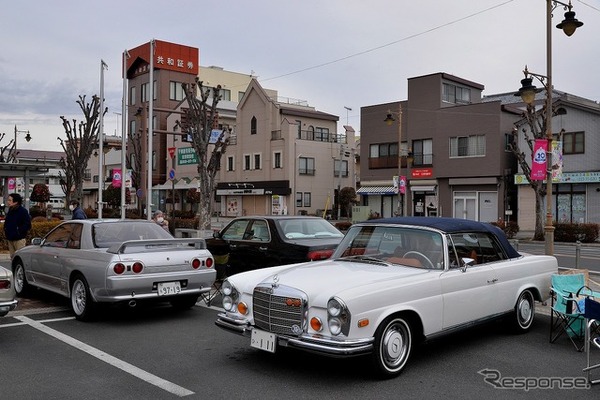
(414, 247)
(107, 234)
(308, 228)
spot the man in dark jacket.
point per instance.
(16, 224)
(78, 213)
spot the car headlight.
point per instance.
(338, 317)
(230, 296)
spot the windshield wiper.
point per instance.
(367, 259)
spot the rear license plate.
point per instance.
(263, 340)
(169, 288)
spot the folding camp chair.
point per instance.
(565, 315)
(591, 313)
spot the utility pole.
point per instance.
(339, 210)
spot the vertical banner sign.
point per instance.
(557, 160)
(402, 184)
(538, 162)
(12, 184)
(117, 178)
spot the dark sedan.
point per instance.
(249, 243)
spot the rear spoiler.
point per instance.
(144, 246)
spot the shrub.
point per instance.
(343, 225)
(567, 232)
(510, 229)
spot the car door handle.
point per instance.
(263, 248)
(492, 280)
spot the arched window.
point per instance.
(253, 126)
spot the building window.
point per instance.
(241, 96)
(570, 203)
(277, 159)
(322, 134)
(383, 155)
(306, 166)
(257, 161)
(176, 91)
(455, 94)
(344, 166)
(253, 126)
(422, 152)
(246, 162)
(467, 146)
(299, 123)
(95, 179)
(87, 174)
(230, 163)
(307, 199)
(298, 199)
(508, 141)
(132, 98)
(311, 133)
(145, 88)
(573, 143)
(153, 160)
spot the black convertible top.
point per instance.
(454, 225)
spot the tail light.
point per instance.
(209, 263)
(137, 267)
(319, 254)
(196, 263)
(119, 268)
(4, 284)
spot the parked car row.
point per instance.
(296, 281)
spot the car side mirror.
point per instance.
(467, 262)
(37, 241)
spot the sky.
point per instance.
(334, 54)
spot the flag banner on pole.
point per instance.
(117, 178)
(402, 184)
(538, 163)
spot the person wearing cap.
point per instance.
(78, 213)
(159, 218)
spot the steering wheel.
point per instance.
(420, 257)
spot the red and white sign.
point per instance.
(171, 152)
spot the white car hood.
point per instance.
(330, 277)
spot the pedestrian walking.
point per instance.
(16, 224)
(78, 213)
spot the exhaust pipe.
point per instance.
(132, 303)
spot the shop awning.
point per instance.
(377, 190)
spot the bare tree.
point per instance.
(81, 140)
(536, 122)
(5, 151)
(198, 120)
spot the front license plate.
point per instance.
(263, 340)
(169, 288)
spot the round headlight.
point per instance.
(228, 303)
(227, 288)
(334, 308)
(335, 326)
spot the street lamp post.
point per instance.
(527, 93)
(402, 153)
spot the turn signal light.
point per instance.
(316, 324)
(242, 308)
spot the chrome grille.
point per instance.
(279, 310)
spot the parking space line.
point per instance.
(107, 358)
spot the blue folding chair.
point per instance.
(591, 312)
(565, 316)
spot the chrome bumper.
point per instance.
(7, 306)
(306, 342)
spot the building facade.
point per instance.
(453, 152)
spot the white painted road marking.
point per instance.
(107, 358)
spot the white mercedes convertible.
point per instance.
(390, 284)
